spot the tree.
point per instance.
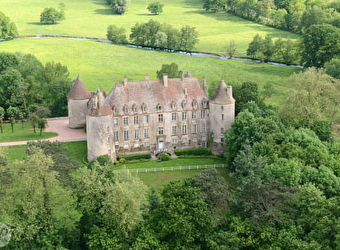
(245, 93)
(188, 38)
(42, 125)
(332, 68)
(12, 113)
(255, 46)
(116, 35)
(120, 6)
(51, 16)
(2, 115)
(320, 43)
(170, 69)
(314, 98)
(231, 48)
(40, 212)
(214, 5)
(155, 7)
(7, 28)
(286, 51)
(8, 60)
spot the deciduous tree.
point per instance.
(155, 7)
(116, 35)
(7, 28)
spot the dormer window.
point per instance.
(114, 109)
(195, 104)
(159, 108)
(144, 108)
(134, 108)
(205, 104)
(173, 106)
(125, 109)
(184, 104)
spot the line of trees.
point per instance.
(8, 29)
(156, 35)
(292, 15)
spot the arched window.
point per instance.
(173, 106)
(126, 109)
(184, 104)
(144, 108)
(134, 108)
(194, 104)
(159, 108)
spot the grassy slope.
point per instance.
(90, 18)
(107, 64)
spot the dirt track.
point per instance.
(59, 126)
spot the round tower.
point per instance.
(99, 128)
(77, 100)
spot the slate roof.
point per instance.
(78, 91)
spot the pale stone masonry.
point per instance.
(152, 116)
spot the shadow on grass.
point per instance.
(104, 12)
(39, 23)
(100, 2)
(146, 15)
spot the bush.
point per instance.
(164, 156)
(193, 151)
(135, 157)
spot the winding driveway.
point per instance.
(59, 126)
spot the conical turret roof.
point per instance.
(221, 95)
(99, 104)
(78, 91)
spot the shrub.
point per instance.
(135, 157)
(164, 156)
(193, 151)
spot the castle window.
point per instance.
(117, 147)
(194, 139)
(108, 139)
(184, 104)
(174, 130)
(184, 115)
(222, 130)
(203, 127)
(174, 141)
(203, 138)
(136, 120)
(146, 119)
(125, 109)
(194, 128)
(222, 107)
(184, 129)
(114, 110)
(134, 109)
(174, 116)
(136, 134)
(146, 144)
(108, 129)
(116, 136)
(204, 144)
(126, 135)
(159, 108)
(222, 139)
(126, 121)
(222, 117)
(144, 109)
(203, 114)
(146, 133)
(160, 117)
(173, 106)
(160, 130)
(194, 114)
(205, 104)
(195, 105)
(115, 122)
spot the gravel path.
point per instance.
(59, 126)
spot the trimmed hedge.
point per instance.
(135, 156)
(193, 151)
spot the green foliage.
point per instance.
(116, 35)
(247, 92)
(170, 69)
(51, 16)
(8, 29)
(192, 151)
(214, 5)
(332, 68)
(155, 7)
(132, 157)
(320, 43)
(164, 156)
(119, 6)
(12, 113)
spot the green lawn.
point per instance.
(24, 133)
(90, 18)
(101, 65)
(13, 153)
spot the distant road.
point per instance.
(59, 126)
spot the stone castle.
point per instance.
(151, 116)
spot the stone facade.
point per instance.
(152, 116)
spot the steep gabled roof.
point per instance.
(78, 91)
(98, 105)
(221, 95)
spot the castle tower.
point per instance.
(77, 100)
(99, 128)
(222, 114)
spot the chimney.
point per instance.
(205, 88)
(230, 91)
(185, 92)
(165, 79)
(125, 80)
(147, 77)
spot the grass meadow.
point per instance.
(90, 18)
(22, 132)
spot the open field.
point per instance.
(22, 133)
(90, 18)
(101, 65)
